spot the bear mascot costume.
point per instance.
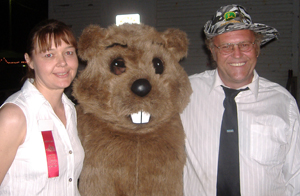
(129, 99)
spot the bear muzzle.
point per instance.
(141, 87)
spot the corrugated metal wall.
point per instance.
(76, 14)
(276, 58)
(81, 13)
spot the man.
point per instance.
(267, 127)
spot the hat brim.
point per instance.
(268, 32)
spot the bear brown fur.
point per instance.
(132, 68)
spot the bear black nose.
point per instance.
(141, 87)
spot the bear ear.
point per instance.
(177, 42)
(89, 43)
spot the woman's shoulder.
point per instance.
(12, 120)
(10, 110)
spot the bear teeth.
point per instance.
(140, 117)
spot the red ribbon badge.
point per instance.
(52, 160)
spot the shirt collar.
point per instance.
(253, 86)
(34, 95)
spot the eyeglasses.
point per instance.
(228, 48)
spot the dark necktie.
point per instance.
(228, 181)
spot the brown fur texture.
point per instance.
(121, 157)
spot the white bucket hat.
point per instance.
(235, 17)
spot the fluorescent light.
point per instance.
(127, 18)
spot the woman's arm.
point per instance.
(12, 135)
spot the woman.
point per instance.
(39, 147)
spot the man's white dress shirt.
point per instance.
(269, 137)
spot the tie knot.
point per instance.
(232, 93)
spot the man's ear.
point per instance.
(28, 60)
(213, 54)
(257, 49)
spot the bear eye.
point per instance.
(158, 66)
(117, 66)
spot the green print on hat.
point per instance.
(229, 15)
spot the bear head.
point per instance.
(133, 79)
